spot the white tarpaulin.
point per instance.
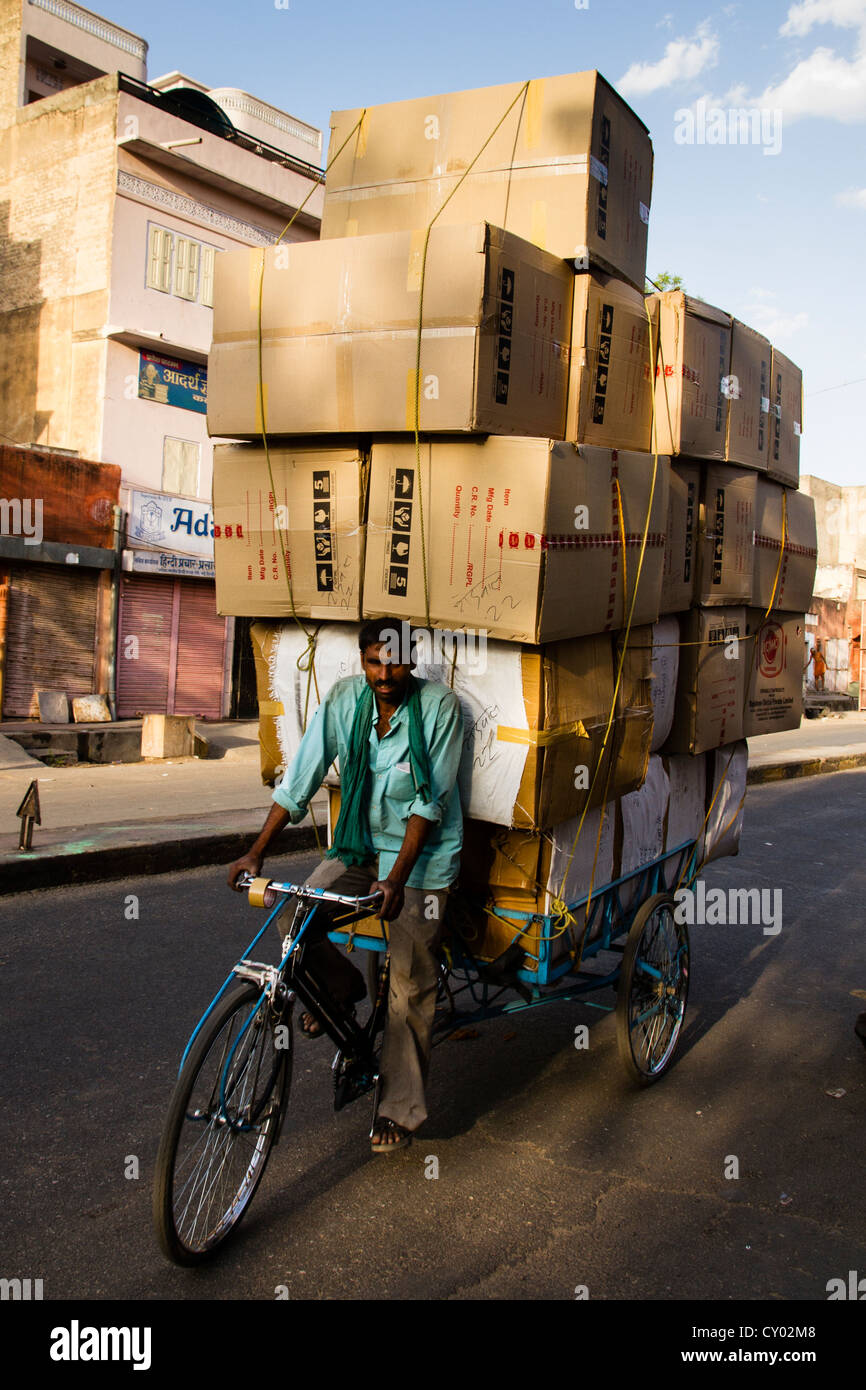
(488, 684)
(727, 765)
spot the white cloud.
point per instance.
(824, 83)
(683, 59)
(762, 313)
(847, 14)
(852, 198)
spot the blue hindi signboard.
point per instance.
(172, 382)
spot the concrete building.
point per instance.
(115, 199)
(835, 621)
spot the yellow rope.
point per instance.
(417, 401)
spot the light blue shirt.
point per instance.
(393, 797)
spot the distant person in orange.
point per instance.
(816, 656)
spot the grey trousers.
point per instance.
(413, 940)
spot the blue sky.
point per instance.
(779, 239)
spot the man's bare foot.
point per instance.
(310, 1026)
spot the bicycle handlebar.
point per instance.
(266, 890)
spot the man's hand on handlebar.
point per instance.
(249, 864)
(392, 899)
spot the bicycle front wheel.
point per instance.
(222, 1122)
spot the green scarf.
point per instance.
(352, 833)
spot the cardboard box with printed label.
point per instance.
(711, 686)
(693, 365)
(681, 539)
(777, 655)
(340, 326)
(561, 161)
(309, 520)
(727, 535)
(784, 574)
(786, 420)
(536, 743)
(611, 386)
(522, 538)
(748, 398)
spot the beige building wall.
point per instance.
(57, 169)
(840, 514)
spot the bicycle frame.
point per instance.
(344, 1030)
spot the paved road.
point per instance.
(553, 1171)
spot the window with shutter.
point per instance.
(193, 258)
(165, 271)
(207, 260)
(180, 466)
(154, 258)
(181, 261)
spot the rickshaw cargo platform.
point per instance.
(532, 895)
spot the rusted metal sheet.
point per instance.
(75, 497)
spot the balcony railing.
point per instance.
(216, 122)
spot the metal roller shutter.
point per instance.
(51, 635)
(201, 639)
(144, 649)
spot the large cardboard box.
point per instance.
(611, 386)
(649, 673)
(561, 161)
(522, 537)
(786, 420)
(747, 438)
(681, 542)
(777, 655)
(340, 336)
(727, 535)
(784, 576)
(533, 872)
(692, 375)
(536, 743)
(311, 520)
(711, 686)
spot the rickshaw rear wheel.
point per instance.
(652, 990)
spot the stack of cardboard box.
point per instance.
(470, 411)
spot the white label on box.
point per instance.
(598, 170)
(797, 429)
(730, 388)
(644, 213)
(777, 411)
(581, 258)
(765, 405)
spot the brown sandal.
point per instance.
(382, 1127)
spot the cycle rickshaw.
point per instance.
(232, 1093)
